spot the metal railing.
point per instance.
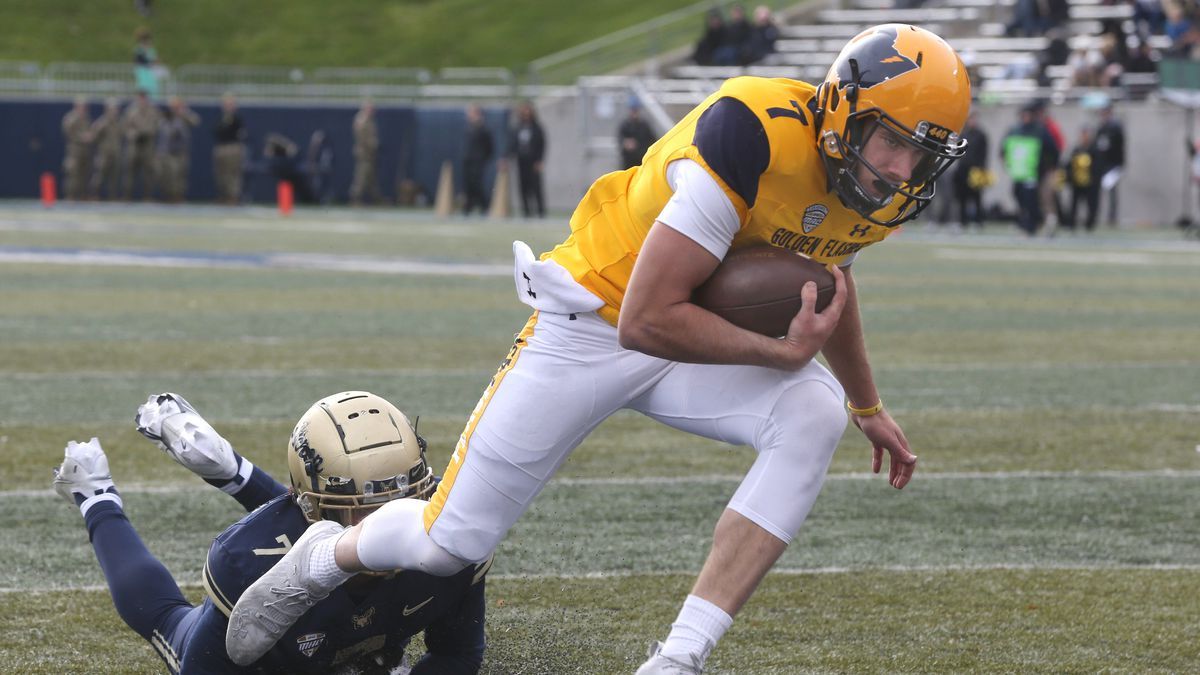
(205, 81)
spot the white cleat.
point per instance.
(83, 477)
(273, 604)
(175, 426)
(660, 664)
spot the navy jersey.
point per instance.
(367, 618)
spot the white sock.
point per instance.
(697, 630)
(322, 566)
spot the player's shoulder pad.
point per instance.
(250, 547)
(732, 142)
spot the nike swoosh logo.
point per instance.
(412, 610)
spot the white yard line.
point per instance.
(1076, 257)
(135, 488)
(783, 571)
(271, 373)
(290, 261)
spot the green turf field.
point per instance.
(1051, 388)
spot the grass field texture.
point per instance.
(1050, 387)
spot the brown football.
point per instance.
(758, 288)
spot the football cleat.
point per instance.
(83, 478)
(660, 664)
(271, 605)
(175, 426)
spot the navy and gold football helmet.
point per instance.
(352, 452)
(904, 82)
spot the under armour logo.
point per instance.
(529, 285)
(860, 230)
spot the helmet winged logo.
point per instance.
(877, 61)
(313, 463)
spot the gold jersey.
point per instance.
(761, 147)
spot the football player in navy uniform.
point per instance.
(348, 454)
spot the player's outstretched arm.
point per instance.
(846, 352)
(177, 428)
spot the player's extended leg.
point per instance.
(794, 421)
(143, 591)
(177, 429)
(564, 375)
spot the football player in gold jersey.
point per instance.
(824, 171)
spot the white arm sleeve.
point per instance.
(700, 210)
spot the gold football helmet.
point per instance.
(352, 452)
(908, 83)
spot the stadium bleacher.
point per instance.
(1003, 64)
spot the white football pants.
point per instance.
(567, 373)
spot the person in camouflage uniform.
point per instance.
(106, 157)
(140, 124)
(77, 130)
(366, 150)
(174, 149)
(229, 152)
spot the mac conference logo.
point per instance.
(814, 216)
(309, 643)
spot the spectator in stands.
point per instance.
(140, 124)
(1055, 13)
(1028, 153)
(106, 157)
(970, 175)
(732, 51)
(762, 36)
(1087, 65)
(1109, 157)
(146, 67)
(1032, 18)
(1056, 53)
(1082, 179)
(1149, 17)
(1180, 28)
(366, 155)
(229, 152)
(1026, 21)
(713, 38)
(528, 146)
(1113, 55)
(77, 132)
(634, 136)
(478, 149)
(1142, 58)
(175, 149)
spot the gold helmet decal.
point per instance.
(352, 452)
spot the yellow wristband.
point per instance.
(865, 412)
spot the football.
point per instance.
(758, 288)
